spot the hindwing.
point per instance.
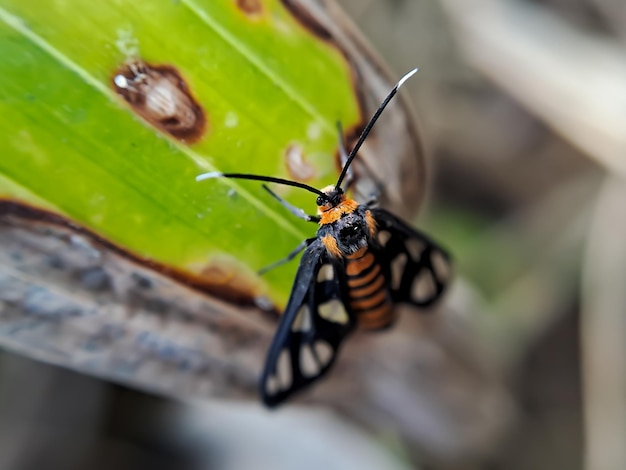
(417, 269)
(315, 322)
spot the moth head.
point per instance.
(331, 197)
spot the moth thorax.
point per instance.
(351, 233)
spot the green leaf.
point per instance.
(71, 144)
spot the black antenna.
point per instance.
(370, 124)
(269, 179)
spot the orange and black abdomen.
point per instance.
(368, 294)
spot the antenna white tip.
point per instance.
(206, 176)
(406, 77)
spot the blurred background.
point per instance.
(522, 106)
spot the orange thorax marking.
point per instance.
(331, 245)
(371, 223)
(334, 213)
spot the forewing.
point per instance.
(418, 269)
(312, 328)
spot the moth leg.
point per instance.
(288, 258)
(293, 209)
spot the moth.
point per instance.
(361, 263)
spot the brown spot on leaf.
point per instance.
(297, 166)
(160, 95)
(251, 8)
(226, 271)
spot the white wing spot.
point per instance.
(423, 286)
(284, 369)
(383, 237)
(303, 320)
(334, 311)
(397, 270)
(271, 385)
(308, 364)
(441, 266)
(323, 351)
(415, 248)
(327, 273)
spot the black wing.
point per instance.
(313, 326)
(418, 270)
